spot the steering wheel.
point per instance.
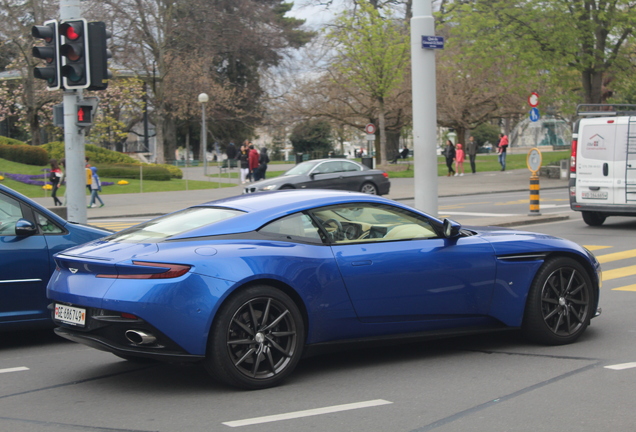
(338, 234)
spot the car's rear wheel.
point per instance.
(560, 302)
(369, 188)
(256, 339)
(593, 218)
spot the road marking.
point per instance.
(15, 369)
(622, 366)
(625, 288)
(482, 214)
(307, 413)
(619, 273)
(616, 256)
(593, 248)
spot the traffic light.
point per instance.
(49, 52)
(74, 51)
(99, 54)
(86, 109)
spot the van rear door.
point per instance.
(600, 171)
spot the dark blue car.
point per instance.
(249, 284)
(29, 236)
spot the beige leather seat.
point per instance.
(408, 231)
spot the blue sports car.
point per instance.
(247, 285)
(29, 236)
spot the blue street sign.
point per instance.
(433, 42)
(534, 114)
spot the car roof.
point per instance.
(262, 207)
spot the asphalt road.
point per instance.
(494, 382)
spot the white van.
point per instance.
(603, 162)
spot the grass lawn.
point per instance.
(404, 169)
(133, 186)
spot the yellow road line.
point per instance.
(625, 288)
(619, 273)
(616, 256)
(593, 248)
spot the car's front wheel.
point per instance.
(369, 188)
(256, 339)
(560, 302)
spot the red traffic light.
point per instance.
(72, 30)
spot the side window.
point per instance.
(298, 226)
(10, 212)
(46, 226)
(366, 222)
(348, 166)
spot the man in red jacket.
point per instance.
(253, 161)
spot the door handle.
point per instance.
(605, 169)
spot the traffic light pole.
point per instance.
(74, 151)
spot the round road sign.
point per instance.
(370, 128)
(533, 99)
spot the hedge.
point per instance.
(25, 154)
(10, 141)
(131, 171)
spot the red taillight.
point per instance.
(386, 175)
(573, 156)
(128, 316)
(171, 271)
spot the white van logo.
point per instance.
(596, 142)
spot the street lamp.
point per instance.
(203, 98)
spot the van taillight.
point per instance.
(573, 157)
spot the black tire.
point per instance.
(256, 340)
(560, 303)
(369, 188)
(593, 218)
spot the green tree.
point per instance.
(372, 54)
(553, 38)
(312, 136)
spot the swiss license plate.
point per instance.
(594, 195)
(70, 315)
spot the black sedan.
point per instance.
(341, 174)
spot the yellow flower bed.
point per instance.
(1, 178)
(122, 182)
(47, 187)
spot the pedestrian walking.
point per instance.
(252, 157)
(55, 177)
(263, 160)
(449, 154)
(96, 187)
(459, 160)
(89, 174)
(502, 149)
(243, 158)
(471, 150)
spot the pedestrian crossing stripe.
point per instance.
(616, 256)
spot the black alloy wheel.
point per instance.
(560, 302)
(369, 188)
(256, 340)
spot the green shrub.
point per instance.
(25, 154)
(131, 171)
(100, 156)
(10, 141)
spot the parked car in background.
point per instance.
(29, 236)
(247, 285)
(339, 174)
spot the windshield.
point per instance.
(301, 168)
(173, 224)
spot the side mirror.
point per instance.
(451, 228)
(25, 228)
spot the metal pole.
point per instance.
(424, 109)
(73, 138)
(204, 140)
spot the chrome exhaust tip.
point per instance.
(138, 337)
